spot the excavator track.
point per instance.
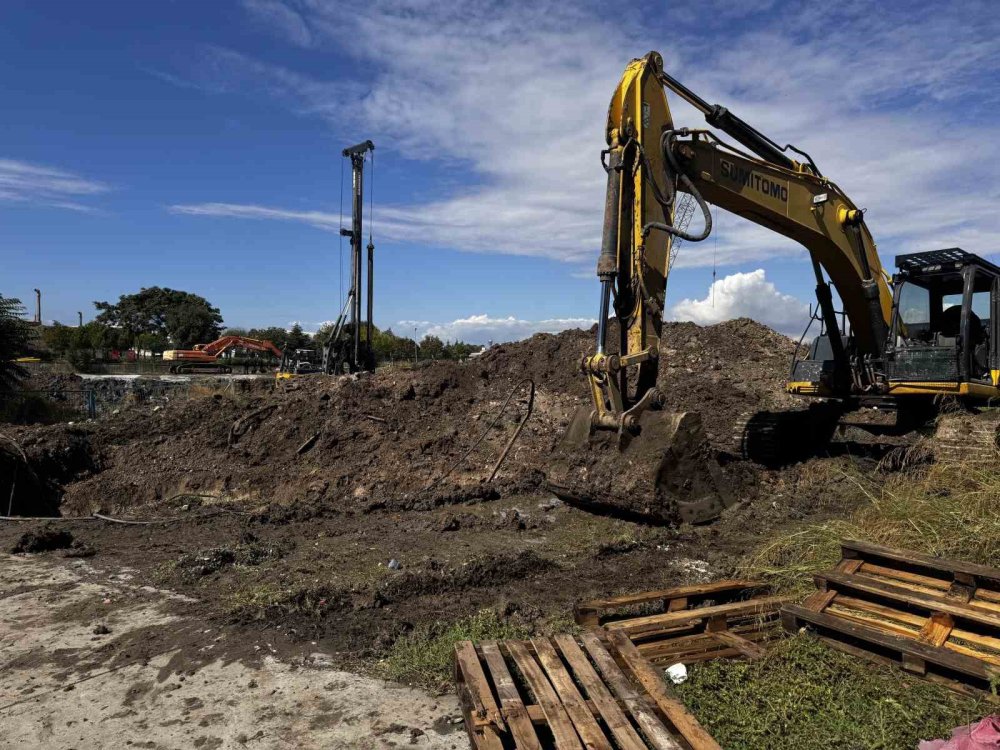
(775, 438)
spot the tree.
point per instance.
(181, 317)
(15, 341)
(431, 347)
(297, 338)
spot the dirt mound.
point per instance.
(45, 540)
(356, 445)
(36, 463)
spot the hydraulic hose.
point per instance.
(665, 144)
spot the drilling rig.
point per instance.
(347, 349)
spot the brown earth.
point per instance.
(288, 502)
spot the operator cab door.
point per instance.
(979, 321)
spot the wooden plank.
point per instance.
(849, 565)
(945, 658)
(992, 658)
(587, 614)
(748, 648)
(482, 724)
(484, 705)
(586, 726)
(937, 629)
(606, 705)
(698, 589)
(917, 620)
(559, 722)
(675, 711)
(650, 725)
(871, 586)
(652, 624)
(513, 708)
(943, 565)
(817, 601)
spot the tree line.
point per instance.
(156, 318)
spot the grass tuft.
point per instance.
(952, 510)
(805, 695)
(424, 656)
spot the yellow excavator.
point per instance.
(900, 343)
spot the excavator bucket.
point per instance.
(663, 472)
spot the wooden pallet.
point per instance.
(570, 693)
(933, 617)
(690, 623)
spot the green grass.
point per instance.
(424, 656)
(952, 510)
(805, 696)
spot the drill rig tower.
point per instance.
(347, 348)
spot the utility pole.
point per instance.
(415, 345)
(81, 318)
(38, 306)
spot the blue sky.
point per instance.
(197, 145)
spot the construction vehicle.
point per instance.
(346, 349)
(299, 362)
(207, 358)
(900, 343)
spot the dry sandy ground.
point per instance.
(64, 683)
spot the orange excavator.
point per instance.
(205, 358)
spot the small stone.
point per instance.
(102, 629)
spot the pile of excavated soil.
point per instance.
(352, 445)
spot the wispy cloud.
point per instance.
(36, 184)
(277, 17)
(893, 104)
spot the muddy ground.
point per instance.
(337, 514)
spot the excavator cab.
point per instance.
(945, 320)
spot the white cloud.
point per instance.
(480, 329)
(512, 100)
(745, 295)
(24, 182)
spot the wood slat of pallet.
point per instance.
(937, 629)
(983, 596)
(692, 646)
(607, 707)
(652, 624)
(871, 586)
(483, 716)
(746, 647)
(908, 647)
(514, 711)
(916, 620)
(649, 724)
(583, 719)
(903, 632)
(817, 601)
(675, 711)
(588, 613)
(559, 722)
(984, 573)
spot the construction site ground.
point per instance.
(317, 524)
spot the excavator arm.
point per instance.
(664, 469)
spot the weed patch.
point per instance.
(424, 655)
(804, 695)
(952, 510)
